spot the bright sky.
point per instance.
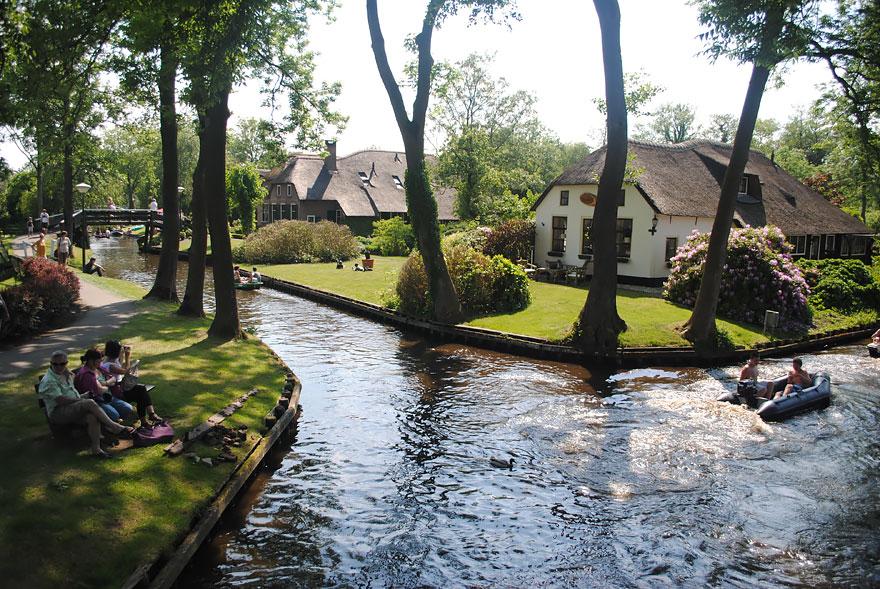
(553, 52)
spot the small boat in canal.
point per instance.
(874, 350)
(817, 396)
(248, 285)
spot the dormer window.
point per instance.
(364, 178)
(397, 182)
(744, 185)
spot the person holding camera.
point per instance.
(94, 383)
(117, 361)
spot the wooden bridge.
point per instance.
(109, 218)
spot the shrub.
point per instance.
(843, 285)
(291, 242)
(512, 239)
(47, 295)
(759, 275)
(472, 238)
(392, 237)
(484, 284)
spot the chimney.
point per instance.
(330, 160)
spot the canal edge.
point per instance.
(164, 571)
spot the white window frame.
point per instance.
(311, 218)
(277, 190)
(800, 244)
(830, 242)
(564, 198)
(859, 246)
(398, 182)
(290, 190)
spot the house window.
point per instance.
(671, 248)
(624, 238)
(267, 214)
(277, 190)
(744, 185)
(364, 178)
(829, 243)
(293, 211)
(333, 215)
(397, 182)
(285, 211)
(276, 211)
(560, 224)
(621, 198)
(800, 244)
(563, 198)
(339, 216)
(312, 219)
(859, 246)
(844, 246)
(290, 190)
(586, 239)
(814, 247)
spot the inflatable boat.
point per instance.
(874, 350)
(817, 396)
(248, 285)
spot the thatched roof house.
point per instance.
(675, 189)
(355, 189)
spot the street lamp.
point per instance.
(82, 188)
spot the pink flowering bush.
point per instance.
(759, 275)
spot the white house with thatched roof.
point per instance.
(356, 189)
(675, 190)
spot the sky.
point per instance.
(554, 52)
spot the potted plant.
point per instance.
(367, 262)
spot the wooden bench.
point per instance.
(66, 430)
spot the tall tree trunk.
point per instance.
(165, 285)
(225, 324)
(193, 297)
(421, 204)
(67, 187)
(39, 172)
(599, 322)
(700, 328)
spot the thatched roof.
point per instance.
(379, 194)
(685, 180)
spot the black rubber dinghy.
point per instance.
(874, 350)
(817, 396)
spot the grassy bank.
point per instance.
(651, 320)
(69, 517)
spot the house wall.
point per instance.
(647, 262)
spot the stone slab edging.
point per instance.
(534, 347)
(162, 573)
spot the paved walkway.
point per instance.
(101, 313)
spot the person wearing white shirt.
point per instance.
(154, 206)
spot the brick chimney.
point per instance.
(330, 160)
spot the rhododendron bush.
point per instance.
(759, 275)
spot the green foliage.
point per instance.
(484, 284)
(244, 193)
(47, 294)
(257, 142)
(759, 275)
(639, 91)
(512, 239)
(672, 123)
(841, 285)
(392, 237)
(290, 242)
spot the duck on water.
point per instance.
(782, 397)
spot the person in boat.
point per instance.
(92, 267)
(236, 272)
(64, 405)
(117, 361)
(749, 373)
(876, 337)
(255, 276)
(798, 379)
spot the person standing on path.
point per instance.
(63, 248)
(154, 206)
(44, 220)
(30, 226)
(40, 245)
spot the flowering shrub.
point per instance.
(290, 242)
(844, 285)
(47, 295)
(473, 238)
(484, 284)
(512, 239)
(759, 275)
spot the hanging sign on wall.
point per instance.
(588, 199)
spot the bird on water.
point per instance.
(498, 463)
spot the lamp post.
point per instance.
(82, 188)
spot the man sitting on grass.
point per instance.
(92, 267)
(64, 405)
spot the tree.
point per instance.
(257, 142)
(721, 128)
(244, 192)
(765, 33)
(130, 152)
(599, 323)
(421, 204)
(673, 123)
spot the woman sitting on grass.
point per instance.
(64, 405)
(94, 383)
(117, 360)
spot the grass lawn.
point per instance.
(363, 286)
(123, 288)
(67, 517)
(185, 243)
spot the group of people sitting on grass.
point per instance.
(96, 394)
(243, 276)
(798, 378)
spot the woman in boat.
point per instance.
(876, 337)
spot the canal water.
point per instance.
(632, 479)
